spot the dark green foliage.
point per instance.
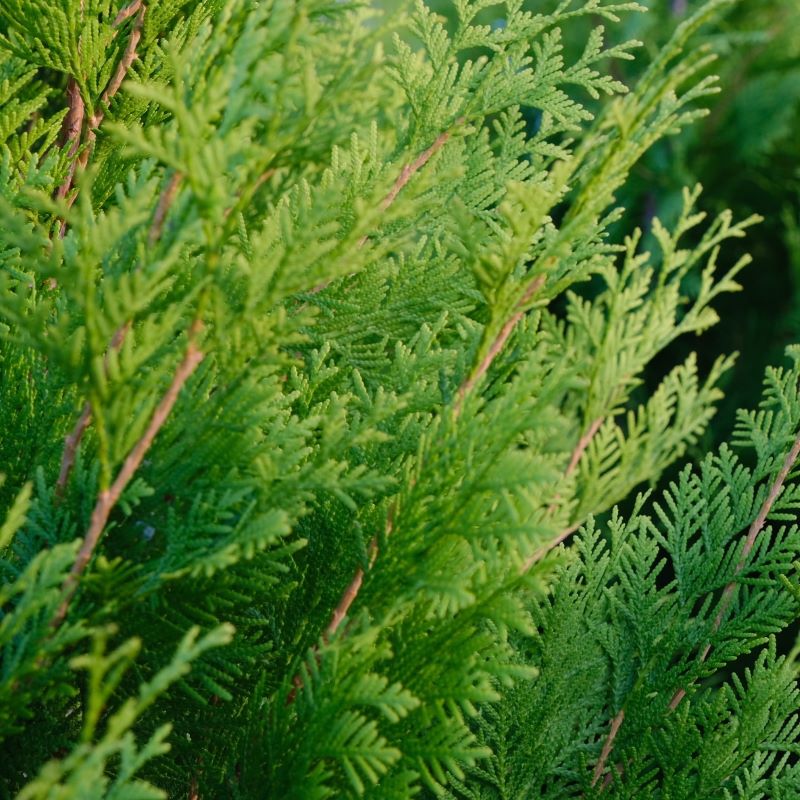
(321, 327)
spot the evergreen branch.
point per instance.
(353, 588)
(347, 599)
(248, 194)
(539, 554)
(497, 345)
(749, 542)
(74, 119)
(108, 497)
(128, 57)
(583, 443)
(73, 439)
(408, 172)
(351, 592)
(727, 597)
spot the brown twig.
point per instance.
(71, 132)
(351, 592)
(127, 12)
(408, 171)
(250, 192)
(164, 203)
(108, 497)
(577, 454)
(749, 542)
(346, 601)
(74, 119)
(73, 439)
(583, 443)
(538, 555)
(71, 443)
(608, 746)
(415, 166)
(125, 63)
(402, 179)
(497, 344)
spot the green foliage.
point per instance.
(627, 625)
(312, 349)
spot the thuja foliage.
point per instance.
(313, 353)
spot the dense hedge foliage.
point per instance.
(359, 367)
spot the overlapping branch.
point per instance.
(71, 445)
(351, 591)
(73, 440)
(71, 132)
(749, 542)
(73, 122)
(725, 602)
(108, 497)
(164, 203)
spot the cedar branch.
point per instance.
(415, 166)
(408, 172)
(125, 63)
(727, 595)
(749, 542)
(346, 601)
(539, 554)
(108, 498)
(74, 119)
(127, 12)
(351, 592)
(71, 443)
(73, 440)
(583, 443)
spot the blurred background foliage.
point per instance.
(746, 153)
